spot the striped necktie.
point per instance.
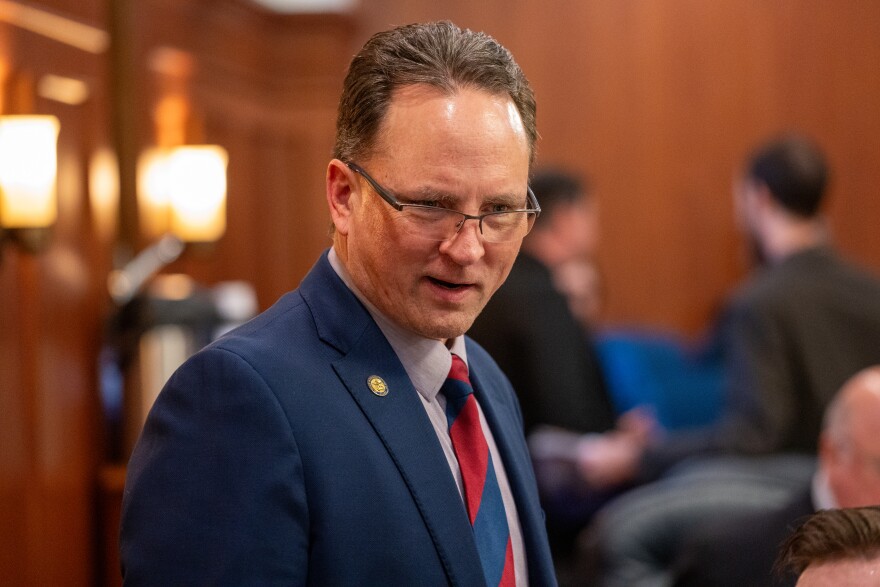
(482, 495)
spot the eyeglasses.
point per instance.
(439, 224)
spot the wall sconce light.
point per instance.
(28, 176)
(181, 199)
(182, 191)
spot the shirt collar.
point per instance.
(425, 360)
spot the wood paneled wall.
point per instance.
(265, 87)
(658, 101)
(50, 324)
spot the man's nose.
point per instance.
(466, 246)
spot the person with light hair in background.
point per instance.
(741, 551)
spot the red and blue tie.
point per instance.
(482, 495)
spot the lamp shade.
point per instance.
(197, 192)
(152, 193)
(183, 191)
(28, 171)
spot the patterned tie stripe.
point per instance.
(483, 501)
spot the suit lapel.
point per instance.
(502, 416)
(398, 418)
(400, 421)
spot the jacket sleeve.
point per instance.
(761, 396)
(215, 492)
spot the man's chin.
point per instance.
(444, 329)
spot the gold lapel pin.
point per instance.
(377, 385)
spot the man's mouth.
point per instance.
(447, 284)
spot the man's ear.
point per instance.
(341, 185)
(828, 451)
(764, 200)
(753, 200)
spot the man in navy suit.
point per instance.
(310, 446)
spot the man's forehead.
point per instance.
(854, 572)
(424, 124)
(449, 102)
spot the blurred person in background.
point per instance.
(804, 323)
(740, 551)
(835, 547)
(530, 328)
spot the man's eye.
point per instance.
(499, 207)
(429, 203)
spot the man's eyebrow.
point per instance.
(450, 199)
(508, 198)
(430, 193)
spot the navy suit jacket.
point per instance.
(267, 460)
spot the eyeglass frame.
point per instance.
(399, 206)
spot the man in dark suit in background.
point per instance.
(528, 326)
(792, 335)
(319, 443)
(741, 551)
(806, 322)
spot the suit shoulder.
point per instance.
(283, 338)
(813, 274)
